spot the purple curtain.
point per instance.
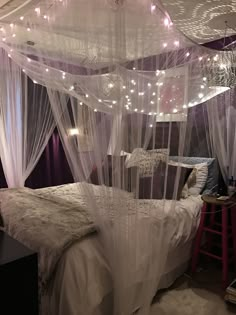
(52, 168)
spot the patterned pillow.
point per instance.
(146, 161)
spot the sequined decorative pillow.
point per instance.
(146, 161)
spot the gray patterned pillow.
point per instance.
(146, 161)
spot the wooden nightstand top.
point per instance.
(215, 201)
(11, 249)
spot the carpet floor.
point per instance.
(199, 296)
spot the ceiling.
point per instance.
(203, 20)
(200, 20)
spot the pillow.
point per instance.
(213, 171)
(201, 171)
(196, 180)
(146, 161)
(161, 187)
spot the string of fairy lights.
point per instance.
(130, 94)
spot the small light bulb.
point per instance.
(142, 110)
(141, 93)
(35, 82)
(184, 106)
(110, 85)
(200, 95)
(202, 86)
(152, 102)
(153, 8)
(166, 22)
(46, 69)
(37, 10)
(149, 84)
(71, 88)
(136, 110)
(134, 68)
(81, 103)
(23, 70)
(9, 55)
(95, 110)
(11, 25)
(124, 87)
(113, 102)
(86, 95)
(28, 59)
(131, 91)
(45, 17)
(204, 79)
(176, 42)
(100, 100)
(28, 29)
(175, 110)
(161, 114)
(154, 93)
(164, 45)
(187, 54)
(21, 18)
(3, 39)
(151, 125)
(14, 35)
(200, 58)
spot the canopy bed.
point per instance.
(125, 97)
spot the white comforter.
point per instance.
(81, 284)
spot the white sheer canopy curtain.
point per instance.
(222, 130)
(26, 122)
(117, 72)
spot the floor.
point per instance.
(201, 295)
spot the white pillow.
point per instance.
(201, 178)
(201, 173)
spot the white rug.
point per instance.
(190, 302)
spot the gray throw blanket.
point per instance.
(46, 224)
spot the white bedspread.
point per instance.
(82, 278)
(82, 283)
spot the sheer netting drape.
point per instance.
(26, 122)
(222, 125)
(123, 84)
(135, 233)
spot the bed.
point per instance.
(74, 272)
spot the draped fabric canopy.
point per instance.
(119, 77)
(26, 122)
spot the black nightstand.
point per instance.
(18, 278)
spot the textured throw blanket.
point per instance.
(46, 224)
(49, 220)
